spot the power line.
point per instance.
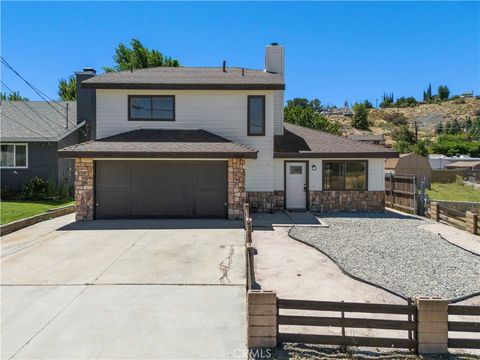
(34, 88)
(39, 92)
(31, 109)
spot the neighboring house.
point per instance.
(31, 133)
(472, 168)
(198, 142)
(411, 164)
(369, 138)
(438, 161)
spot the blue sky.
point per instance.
(334, 51)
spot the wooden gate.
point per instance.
(401, 193)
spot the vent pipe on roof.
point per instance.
(243, 72)
(224, 66)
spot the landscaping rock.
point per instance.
(391, 251)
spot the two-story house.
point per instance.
(198, 142)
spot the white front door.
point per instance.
(296, 185)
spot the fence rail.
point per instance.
(342, 322)
(464, 326)
(401, 192)
(463, 220)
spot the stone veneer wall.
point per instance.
(84, 192)
(279, 200)
(236, 188)
(324, 201)
(261, 201)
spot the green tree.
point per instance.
(300, 102)
(387, 100)
(138, 57)
(316, 105)
(308, 117)
(14, 96)
(421, 148)
(403, 134)
(427, 94)
(360, 117)
(443, 92)
(368, 104)
(67, 89)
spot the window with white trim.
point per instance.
(14, 156)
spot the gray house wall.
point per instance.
(42, 162)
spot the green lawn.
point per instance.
(15, 210)
(453, 192)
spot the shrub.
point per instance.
(395, 118)
(36, 188)
(360, 117)
(64, 191)
(51, 188)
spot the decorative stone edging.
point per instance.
(23, 223)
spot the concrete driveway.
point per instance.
(144, 289)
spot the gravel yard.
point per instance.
(390, 250)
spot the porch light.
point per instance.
(314, 167)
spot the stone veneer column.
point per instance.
(84, 188)
(236, 188)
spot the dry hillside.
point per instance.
(427, 116)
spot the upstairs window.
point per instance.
(13, 156)
(256, 115)
(345, 175)
(155, 107)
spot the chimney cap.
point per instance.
(89, 69)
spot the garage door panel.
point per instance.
(156, 189)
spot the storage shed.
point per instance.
(410, 164)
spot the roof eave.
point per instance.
(326, 155)
(155, 155)
(166, 86)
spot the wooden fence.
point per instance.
(463, 327)
(467, 220)
(409, 324)
(401, 193)
(249, 249)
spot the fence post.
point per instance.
(262, 319)
(432, 325)
(435, 211)
(248, 232)
(471, 222)
(246, 214)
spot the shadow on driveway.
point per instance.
(153, 224)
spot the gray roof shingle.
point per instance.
(187, 78)
(36, 120)
(299, 141)
(160, 143)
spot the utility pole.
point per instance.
(415, 126)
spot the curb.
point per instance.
(23, 223)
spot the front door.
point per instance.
(296, 185)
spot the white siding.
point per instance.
(376, 181)
(221, 112)
(278, 102)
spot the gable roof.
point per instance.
(199, 78)
(299, 141)
(37, 120)
(160, 143)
